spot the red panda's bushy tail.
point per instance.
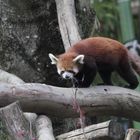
(135, 61)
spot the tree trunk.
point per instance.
(28, 32)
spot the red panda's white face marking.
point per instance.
(67, 65)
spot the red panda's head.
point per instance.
(68, 64)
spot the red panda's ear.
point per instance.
(53, 58)
(79, 59)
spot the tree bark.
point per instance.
(109, 130)
(86, 17)
(55, 101)
(132, 134)
(15, 122)
(28, 32)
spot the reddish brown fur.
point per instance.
(101, 48)
(65, 61)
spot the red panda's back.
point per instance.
(103, 49)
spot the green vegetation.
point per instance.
(3, 134)
(107, 12)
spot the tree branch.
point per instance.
(67, 22)
(132, 134)
(55, 101)
(102, 131)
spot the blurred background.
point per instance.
(119, 19)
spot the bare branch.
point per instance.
(67, 22)
(132, 134)
(55, 101)
(102, 131)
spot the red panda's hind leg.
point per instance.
(127, 73)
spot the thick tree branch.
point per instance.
(55, 101)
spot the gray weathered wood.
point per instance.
(15, 122)
(56, 101)
(67, 22)
(6, 77)
(44, 128)
(132, 134)
(109, 130)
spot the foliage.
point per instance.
(3, 134)
(107, 12)
(136, 20)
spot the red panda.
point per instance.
(97, 54)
